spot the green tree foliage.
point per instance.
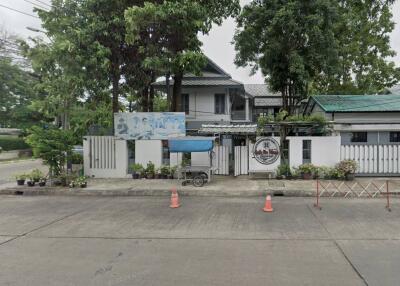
(16, 82)
(363, 33)
(171, 28)
(52, 145)
(290, 41)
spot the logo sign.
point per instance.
(149, 125)
(266, 151)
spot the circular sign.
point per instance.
(266, 151)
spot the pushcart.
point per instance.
(196, 175)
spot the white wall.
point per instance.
(325, 151)
(202, 101)
(254, 165)
(105, 157)
(148, 150)
(200, 159)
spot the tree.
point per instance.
(363, 33)
(16, 81)
(93, 32)
(172, 27)
(52, 145)
(292, 42)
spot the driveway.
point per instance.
(8, 170)
(207, 241)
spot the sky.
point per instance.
(217, 44)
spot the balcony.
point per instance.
(238, 115)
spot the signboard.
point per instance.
(266, 151)
(149, 125)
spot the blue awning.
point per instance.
(191, 144)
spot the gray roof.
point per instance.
(259, 90)
(202, 82)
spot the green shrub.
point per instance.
(347, 166)
(137, 168)
(307, 169)
(151, 168)
(76, 158)
(284, 170)
(10, 143)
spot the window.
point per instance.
(394, 136)
(359, 137)
(306, 151)
(185, 103)
(165, 152)
(220, 104)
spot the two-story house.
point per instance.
(214, 98)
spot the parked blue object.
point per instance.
(191, 144)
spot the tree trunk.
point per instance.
(177, 90)
(145, 99)
(115, 77)
(169, 106)
(152, 93)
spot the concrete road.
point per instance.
(8, 170)
(208, 241)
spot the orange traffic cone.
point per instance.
(174, 199)
(268, 204)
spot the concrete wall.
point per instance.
(325, 151)
(105, 157)
(254, 165)
(148, 150)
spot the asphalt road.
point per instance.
(207, 241)
(8, 170)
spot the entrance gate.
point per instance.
(241, 155)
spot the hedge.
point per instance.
(9, 143)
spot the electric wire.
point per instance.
(18, 11)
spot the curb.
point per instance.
(49, 191)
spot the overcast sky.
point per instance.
(217, 45)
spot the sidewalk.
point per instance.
(223, 186)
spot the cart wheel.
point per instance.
(198, 181)
(204, 175)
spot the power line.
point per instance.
(39, 6)
(44, 3)
(18, 11)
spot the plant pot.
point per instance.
(135, 176)
(31, 183)
(279, 177)
(350, 177)
(157, 176)
(42, 184)
(306, 176)
(84, 185)
(20, 182)
(150, 176)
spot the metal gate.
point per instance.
(241, 160)
(374, 159)
(221, 160)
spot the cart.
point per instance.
(196, 175)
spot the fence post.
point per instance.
(387, 196)
(317, 204)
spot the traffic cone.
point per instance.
(268, 205)
(174, 199)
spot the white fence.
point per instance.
(373, 159)
(105, 157)
(221, 160)
(241, 160)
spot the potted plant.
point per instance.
(20, 179)
(36, 175)
(165, 171)
(157, 174)
(150, 170)
(348, 168)
(137, 171)
(80, 181)
(283, 171)
(31, 181)
(172, 171)
(307, 171)
(42, 182)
